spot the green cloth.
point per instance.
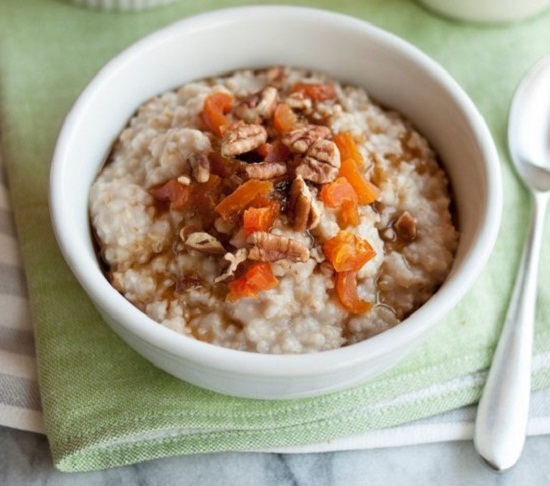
(103, 404)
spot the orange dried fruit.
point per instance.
(349, 214)
(258, 277)
(348, 252)
(284, 119)
(335, 193)
(262, 217)
(366, 191)
(346, 289)
(316, 91)
(348, 148)
(341, 194)
(215, 108)
(241, 197)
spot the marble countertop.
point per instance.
(25, 460)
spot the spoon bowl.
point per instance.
(529, 127)
(503, 410)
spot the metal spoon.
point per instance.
(503, 410)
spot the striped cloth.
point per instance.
(20, 400)
(19, 397)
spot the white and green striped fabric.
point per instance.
(19, 397)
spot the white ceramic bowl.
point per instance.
(488, 11)
(393, 72)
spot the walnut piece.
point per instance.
(297, 101)
(321, 162)
(184, 180)
(242, 137)
(304, 207)
(258, 106)
(234, 259)
(265, 170)
(200, 166)
(204, 242)
(268, 247)
(301, 139)
(405, 226)
(276, 76)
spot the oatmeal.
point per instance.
(274, 211)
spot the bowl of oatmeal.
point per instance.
(274, 219)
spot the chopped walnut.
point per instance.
(301, 139)
(268, 247)
(297, 101)
(266, 170)
(223, 226)
(239, 238)
(405, 226)
(321, 163)
(234, 259)
(200, 166)
(276, 76)
(258, 106)
(317, 254)
(204, 242)
(241, 138)
(184, 180)
(305, 210)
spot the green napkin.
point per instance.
(106, 406)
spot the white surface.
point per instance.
(394, 72)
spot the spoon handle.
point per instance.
(503, 411)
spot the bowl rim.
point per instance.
(257, 364)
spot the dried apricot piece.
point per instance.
(346, 289)
(284, 119)
(316, 91)
(241, 197)
(348, 252)
(258, 277)
(337, 192)
(366, 191)
(215, 108)
(341, 194)
(261, 217)
(348, 148)
(349, 214)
